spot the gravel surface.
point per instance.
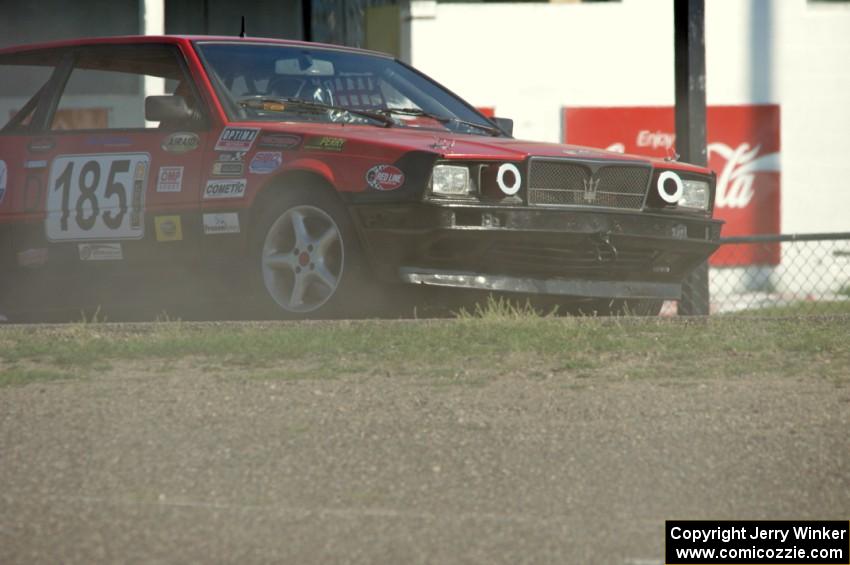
(182, 466)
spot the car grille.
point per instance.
(588, 260)
(566, 183)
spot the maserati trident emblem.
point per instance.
(590, 186)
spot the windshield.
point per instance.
(287, 83)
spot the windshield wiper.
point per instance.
(492, 130)
(262, 102)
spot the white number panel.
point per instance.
(97, 196)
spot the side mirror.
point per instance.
(504, 124)
(167, 108)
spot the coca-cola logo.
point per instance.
(385, 177)
(736, 180)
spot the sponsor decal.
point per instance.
(221, 223)
(39, 145)
(325, 143)
(109, 140)
(170, 179)
(385, 177)
(139, 176)
(280, 140)
(32, 257)
(232, 156)
(236, 139)
(228, 169)
(3, 174)
(181, 142)
(168, 228)
(225, 189)
(743, 145)
(35, 164)
(443, 144)
(265, 162)
(100, 251)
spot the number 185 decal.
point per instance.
(97, 196)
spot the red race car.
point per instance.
(301, 175)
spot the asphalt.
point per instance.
(134, 466)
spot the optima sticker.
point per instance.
(221, 223)
(385, 177)
(170, 179)
(236, 139)
(181, 142)
(225, 189)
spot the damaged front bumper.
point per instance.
(585, 253)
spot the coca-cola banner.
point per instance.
(743, 149)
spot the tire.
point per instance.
(306, 258)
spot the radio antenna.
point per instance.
(242, 33)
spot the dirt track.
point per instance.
(184, 467)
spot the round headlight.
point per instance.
(669, 187)
(509, 178)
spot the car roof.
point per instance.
(139, 39)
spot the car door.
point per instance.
(120, 187)
(27, 80)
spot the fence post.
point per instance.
(689, 61)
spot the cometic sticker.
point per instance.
(216, 189)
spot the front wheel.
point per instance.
(309, 258)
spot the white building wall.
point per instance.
(531, 60)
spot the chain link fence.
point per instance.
(792, 274)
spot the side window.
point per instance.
(108, 85)
(20, 90)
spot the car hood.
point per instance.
(465, 147)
